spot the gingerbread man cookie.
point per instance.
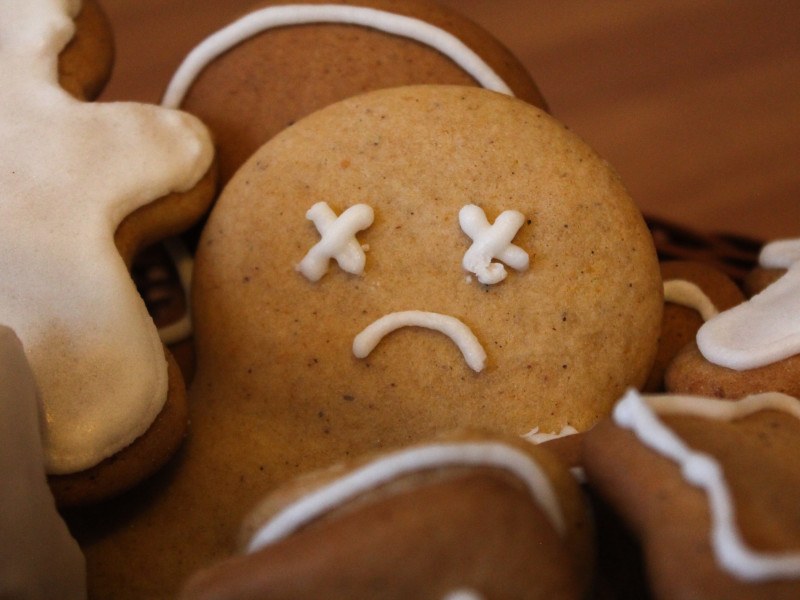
(81, 182)
(709, 487)
(281, 62)
(472, 517)
(294, 374)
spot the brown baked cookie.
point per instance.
(691, 289)
(760, 278)
(473, 517)
(691, 373)
(84, 65)
(660, 461)
(278, 390)
(72, 172)
(280, 69)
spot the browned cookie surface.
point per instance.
(84, 65)
(672, 518)
(280, 75)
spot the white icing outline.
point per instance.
(640, 415)
(405, 462)
(338, 241)
(300, 14)
(474, 354)
(688, 294)
(490, 241)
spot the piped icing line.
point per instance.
(490, 242)
(688, 294)
(780, 254)
(534, 436)
(273, 17)
(338, 240)
(474, 354)
(640, 415)
(758, 332)
(405, 462)
(70, 172)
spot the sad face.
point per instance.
(420, 259)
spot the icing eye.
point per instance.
(338, 240)
(492, 242)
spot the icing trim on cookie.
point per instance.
(688, 294)
(534, 436)
(490, 241)
(640, 415)
(338, 240)
(299, 14)
(780, 254)
(71, 172)
(406, 462)
(474, 354)
(759, 332)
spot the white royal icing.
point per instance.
(640, 415)
(780, 254)
(490, 242)
(535, 436)
(474, 354)
(404, 462)
(271, 17)
(70, 171)
(759, 332)
(688, 294)
(338, 240)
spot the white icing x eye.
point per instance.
(338, 240)
(490, 242)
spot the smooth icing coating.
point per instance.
(338, 240)
(640, 415)
(536, 437)
(456, 330)
(490, 242)
(71, 171)
(298, 14)
(690, 295)
(38, 557)
(780, 254)
(404, 462)
(761, 331)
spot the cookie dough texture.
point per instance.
(278, 76)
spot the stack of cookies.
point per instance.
(408, 335)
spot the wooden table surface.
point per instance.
(695, 102)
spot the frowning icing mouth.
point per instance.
(462, 336)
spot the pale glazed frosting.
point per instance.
(761, 331)
(71, 171)
(640, 415)
(405, 462)
(298, 14)
(690, 295)
(338, 240)
(474, 354)
(38, 557)
(490, 242)
(780, 254)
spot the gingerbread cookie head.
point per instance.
(707, 479)
(421, 258)
(752, 347)
(71, 172)
(280, 62)
(473, 517)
